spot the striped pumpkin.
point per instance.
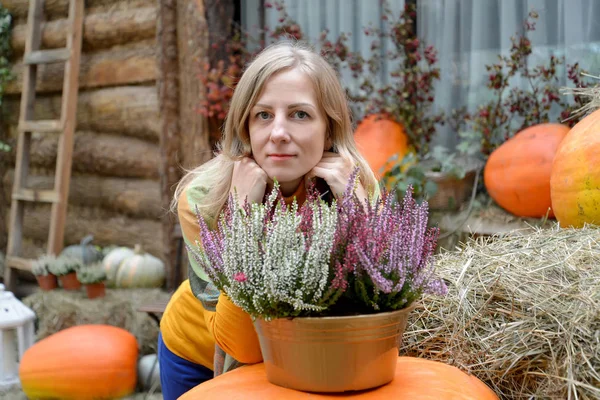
(134, 269)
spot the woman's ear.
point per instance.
(328, 143)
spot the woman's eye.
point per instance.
(301, 115)
(263, 115)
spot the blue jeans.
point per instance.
(178, 375)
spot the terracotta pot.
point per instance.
(452, 192)
(95, 290)
(332, 354)
(47, 282)
(69, 281)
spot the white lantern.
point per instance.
(16, 336)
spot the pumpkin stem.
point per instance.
(592, 93)
(137, 249)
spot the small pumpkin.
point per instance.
(112, 261)
(81, 362)
(416, 378)
(575, 178)
(84, 251)
(378, 139)
(517, 174)
(141, 270)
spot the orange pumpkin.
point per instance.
(416, 378)
(517, 174)
(575, 180)
(82, 362)
(377, 139)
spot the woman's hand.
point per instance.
(336, 172)
(249, 180)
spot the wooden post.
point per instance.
(168, 95)
(193, 49)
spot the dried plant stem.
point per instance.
(591, 93)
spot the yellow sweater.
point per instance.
(191, 326)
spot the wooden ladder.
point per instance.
(65, 127)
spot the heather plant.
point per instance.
(338, 258)
(64, 265)
(42, 265)
(382, 253)
(93, 273)
(270, 259)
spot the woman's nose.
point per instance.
(279, 131)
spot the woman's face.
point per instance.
(287, 129)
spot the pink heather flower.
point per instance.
(240, 277)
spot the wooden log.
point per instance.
(100, 31)
(59, 8)
(33, 249)
(125, 110)
(120, 65)
(192, 39)
(101, 154)
(107, 227)
(139, 198)
(168, 89)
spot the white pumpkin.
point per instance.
(112, 261)
(149, 372)
(141, 270)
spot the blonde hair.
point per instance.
(235, 142)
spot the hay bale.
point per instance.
(522, 314)
(59, 309)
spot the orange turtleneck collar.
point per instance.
(299, 194)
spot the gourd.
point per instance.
(517, 174)
(84, 251)
(416, 378)
(140, 270)
(82, 362)
(378, 139)
(575, 177)
(112, 261)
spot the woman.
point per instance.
(288, 120)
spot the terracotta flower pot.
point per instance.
(332, 354)
(95, 290)
(47, 282)
(452, 192)
(70, 281)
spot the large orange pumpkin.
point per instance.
(82, 362)
(575, 180)
(415, 378)
(377, 139)
(517, 174)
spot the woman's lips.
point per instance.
(280, 157)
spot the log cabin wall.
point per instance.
(138, 125)
(115, 191)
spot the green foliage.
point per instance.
(65, 265)
(93, 273)
(5, 53)
(410, 171)
(42, 266)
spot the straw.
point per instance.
(522, 314)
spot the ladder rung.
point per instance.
(48, 196)
(47, 56)
(18, 263)
(41, 126)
